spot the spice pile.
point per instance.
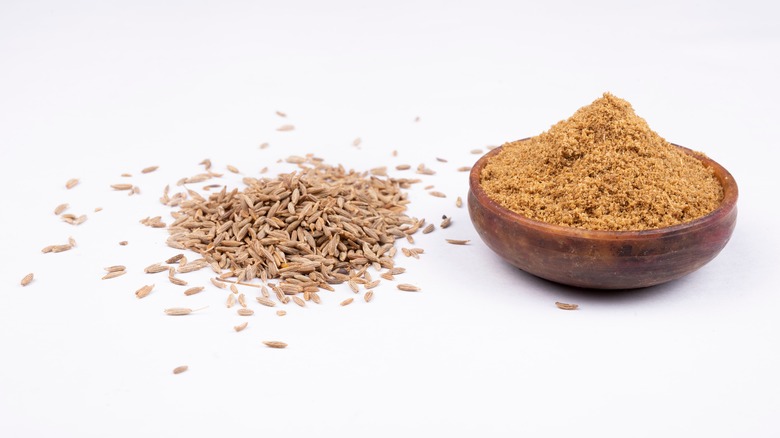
(317, 226)
(601, 169)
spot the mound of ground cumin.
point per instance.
(601, 169)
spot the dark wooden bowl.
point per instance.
(603, 259)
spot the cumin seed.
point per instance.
(180, 369)
(275, 344)
(566, 306)
(27, 279)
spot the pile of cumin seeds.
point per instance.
(310, 228)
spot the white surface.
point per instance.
(94, 89)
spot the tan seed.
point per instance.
(27, 279)
(346, 302)
(437, 194)
(60, 208)
(464, 169)
(73, 182)
(441, 160)
(284, 128)
(476, 151)
(174, 259)
(241, 326)
(149, 169)
(299, 301)
(193, 290)
(180, 369)
(459, 202)
(445, 222)
(356, 142)
(155, 268)
(218, 283)
(123, 243)
(245, 312)
(233, 169)
(122, 186)
(265, 301)
(368, 296)
(113, 274)
(458, 242)
(281, 114)
(428, 229)
(242, 300)
(408, 287)
(566, 306)
(231, 300)
(144, 291)
(115, 268)
(233, 289)
(275, 344)
(403, 167)
(281, 312)
(177, 281)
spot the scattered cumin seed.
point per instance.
(346, 302)
(458, 242)
(231, 300)
(122, 186)
(368, 296)
(115, 268)
(155, 268)
(144, 291)
(264, 145)
(149, 169)
(245, 312)
(113, 274)
(265, 301)
(97, 209)
(566, 306)
(126, 175)
(437, 194)
(180, 311)
(242, 300)
(241, 326)
(177, 281)
(446, 221)
(218, 283)
(356, 142)
(73, 182)
(180, 369)
(123, 243)
(27, 279)
(464, 168)
(408, 287)
(193, 290)
(403, 167)
(233, 169)
(441, 160)
(459, 202)
(60, 208)
(281, 114)
(285, 128)
(299, 301)
(281, 312)
(174, 259)
(476, 151)
(275, 344)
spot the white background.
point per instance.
(90, 90)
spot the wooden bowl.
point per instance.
(603, 259)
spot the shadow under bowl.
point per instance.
(603, 259)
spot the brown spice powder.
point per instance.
(601, 169)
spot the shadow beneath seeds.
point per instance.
(561, 291)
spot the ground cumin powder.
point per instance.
(602, 169)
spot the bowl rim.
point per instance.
(726, 206)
